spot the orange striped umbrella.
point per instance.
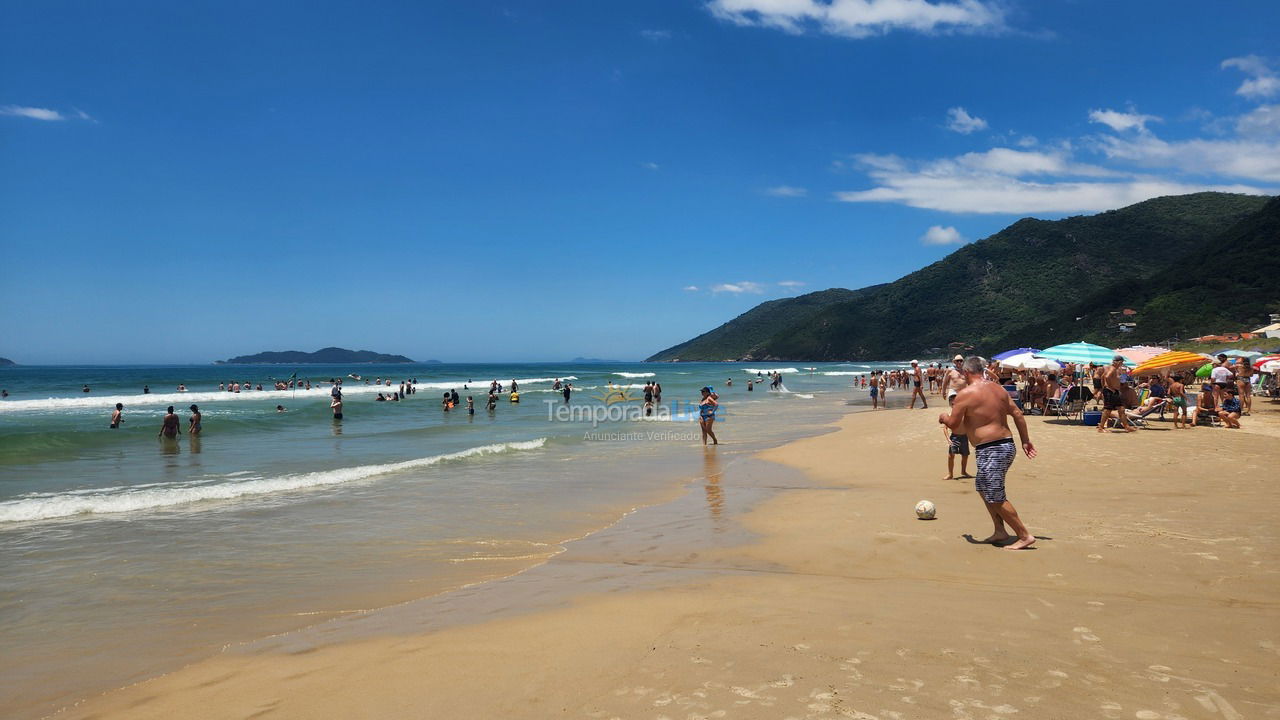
(1170, 361)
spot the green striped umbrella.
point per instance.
(1081, 353)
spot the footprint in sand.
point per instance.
(1086, 634)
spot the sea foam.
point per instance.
(100, 501)
(183, 399)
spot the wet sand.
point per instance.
(798, 583)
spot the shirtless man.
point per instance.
(982, 411)
(169, 427)
(916, 380)
(954, 379)
(117, 416)
(1112, 401)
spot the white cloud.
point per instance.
(1262, 81)
(34, 113)
(656, 35)
(959, 120)
(1247, 158)
(791, 283)
(861, 18)
(938, 235)
(997, 182)
(1121, 121)
(691, 288)
(650, 165)
(738, 288)
(786, 191)
(1262, 121)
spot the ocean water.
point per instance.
(123, 555)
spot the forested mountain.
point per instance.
(1029, 282)
(321, 356)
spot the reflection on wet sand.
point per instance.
(711, 474)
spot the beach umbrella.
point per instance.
(1270, 367)
(1264, 360)
(1246, 354)
(1081, 353)
(1171, 361)
(1028, 361)
(1141, 353)
(1010, 353)
(1204, 371)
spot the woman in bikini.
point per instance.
(707, 407)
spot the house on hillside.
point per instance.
(1270, 331)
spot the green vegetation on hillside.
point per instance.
(735, 338)
(1029, 282)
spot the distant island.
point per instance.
(326, 356)
(6, 362)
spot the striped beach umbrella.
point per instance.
(1081, 353)
(1171, 361)
(1264, 360)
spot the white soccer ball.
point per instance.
(925, 510)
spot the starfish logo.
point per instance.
(616, 394)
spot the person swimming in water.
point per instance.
(117, 416)
(193, 422)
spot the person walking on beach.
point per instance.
(957, 444)
(1112, 399)
(117, 416)
(982, 411)
(917, 380)
(953, 379)
(169, 429)
(193, 422)
(707, 407)
(1178, 399)
(874, 392)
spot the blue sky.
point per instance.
(535, 181)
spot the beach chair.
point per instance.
(1056, 405)
(1208, 417)
(1140, 418)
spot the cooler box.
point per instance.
(1092, 417)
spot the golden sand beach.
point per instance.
(799, 584)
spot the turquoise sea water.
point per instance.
(122, 555)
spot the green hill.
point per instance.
(329, 355)
(737, 337)
(1226, 284)
(1024, 284)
